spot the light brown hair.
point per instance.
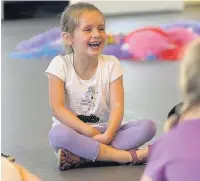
(70, 17)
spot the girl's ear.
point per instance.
(67, 38)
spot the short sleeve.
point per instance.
(57, 68)
(116, 69)
(156, 163)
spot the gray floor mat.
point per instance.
(151, 90)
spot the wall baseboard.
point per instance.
(192, 4)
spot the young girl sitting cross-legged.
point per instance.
(87, 97)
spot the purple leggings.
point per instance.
(130, 135)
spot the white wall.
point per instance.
(136, 6)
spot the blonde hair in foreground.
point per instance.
(189, 81)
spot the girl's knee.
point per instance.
(59, 135)
(149, 127)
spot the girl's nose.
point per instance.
(95, 34)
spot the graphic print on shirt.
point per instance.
(85, 105)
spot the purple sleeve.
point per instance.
(156, 164)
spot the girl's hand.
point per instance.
(95, 132)
(103, 138)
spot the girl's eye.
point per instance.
(88, 29)
(102, 29)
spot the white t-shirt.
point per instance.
(86, 97)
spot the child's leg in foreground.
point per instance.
(15, 172)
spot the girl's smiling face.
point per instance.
(89, 36)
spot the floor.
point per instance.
(151, 89)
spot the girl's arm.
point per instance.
(117, 107)
(57, 104)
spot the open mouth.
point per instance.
(94, 44)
